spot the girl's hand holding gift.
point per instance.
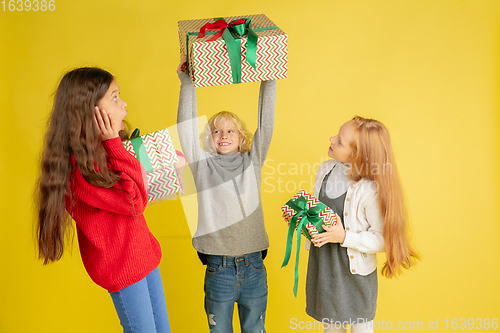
(333, 234)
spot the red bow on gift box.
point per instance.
(220, 25)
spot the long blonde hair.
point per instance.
(223, 116)
(373, 158)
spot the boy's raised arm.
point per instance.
(264, 132)
(187, 119)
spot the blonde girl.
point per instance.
(361, 184)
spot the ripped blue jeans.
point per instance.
(236, 279)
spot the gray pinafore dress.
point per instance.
(333, 293)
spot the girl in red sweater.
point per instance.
(88, 176)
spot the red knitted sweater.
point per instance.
(116, 245)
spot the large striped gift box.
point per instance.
(156, 153)
(234, 49)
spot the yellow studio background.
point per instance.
(428, 69)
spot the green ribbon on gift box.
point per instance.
(299, 205)
(140, 150)
(232, 33)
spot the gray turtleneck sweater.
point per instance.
(230, 216)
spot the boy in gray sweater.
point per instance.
(231, 238)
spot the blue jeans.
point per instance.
(236, 279)
(141, 306)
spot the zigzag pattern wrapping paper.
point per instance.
(209, 61)
(327, 214)
(162, 180)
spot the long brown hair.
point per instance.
(71, 131)
(373, 158)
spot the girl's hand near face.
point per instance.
(108, 130)
(332, 234)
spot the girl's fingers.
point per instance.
(98, 118)
(110, 122)
(317, 240)
(95, 121)
(327, 227)
(107, 122)
(105, 118)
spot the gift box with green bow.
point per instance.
(156, 153)
(234, 49)
(306, 214)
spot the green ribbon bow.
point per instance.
(140, 150)
(299, 205)
(232, 33)
(232, 36)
